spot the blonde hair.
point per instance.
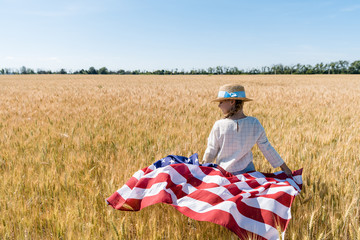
(239, 104)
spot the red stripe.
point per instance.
(206, 196)
(258, 214)
(132, 182)
(161, 197)
(147, 183)
(132, 204)
(234, 189)
(184, 171)
(281, 197)
(116, 201)
(216, 216)
(210, 171)
(210, 197)
(221, 218)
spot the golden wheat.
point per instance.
(68, 142)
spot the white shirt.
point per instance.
(230, 143)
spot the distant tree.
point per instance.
(265, 70)
(320, 68)
(219, 70)
(92, 70)
(234, 71)
(8, 71)
(354, 67)
(210, 70)
(203, 71)
(159, 72)
(332, 67)
(343, 66)
(278, 69)
(63, 71)
(339, 67)
(103, 70)
(23, 70)
(121, 71)
(194, 71)
(288, 69)
(300, 69)
(40, 71)
(309, 69)
(273, 70)
(136, 72)
(254, 71)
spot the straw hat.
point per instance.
(231, 91)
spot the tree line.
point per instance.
(339, 67)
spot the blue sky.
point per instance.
(169, 34)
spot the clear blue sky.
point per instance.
(169, 34)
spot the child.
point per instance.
(232, 138)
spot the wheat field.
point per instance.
(68, 142)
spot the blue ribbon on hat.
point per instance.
(225, 94)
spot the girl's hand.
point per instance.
(286, 170)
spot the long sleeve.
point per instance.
(212, 146)
(269, 152)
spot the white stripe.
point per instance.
(199, 174)
(286, 189)
(291, 182)
(139, 174)
(227, 206)
(244, 222)
(175, 177)
(248, 224)
(297, 178)
(152, 167)
(243, 186)
(270, 205)
(261, 201)
(259, 175)
(178, 179)
(222, 192)
(124, 191)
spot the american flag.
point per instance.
(252, 204)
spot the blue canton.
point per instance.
(174, 159)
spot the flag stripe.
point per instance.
(221, 218)
(248, 207)
(252, 203)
